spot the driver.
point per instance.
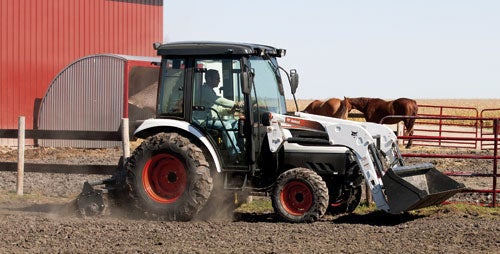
(211, 99)
(223, 106)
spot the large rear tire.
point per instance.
(168, 178)
(300, 195)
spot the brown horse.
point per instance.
(332, 107)
(375, 109)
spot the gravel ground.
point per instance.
(41, 221)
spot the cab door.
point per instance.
(213, 111)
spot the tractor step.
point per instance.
(235, 180)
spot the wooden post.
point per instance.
(368, 194)
(399, 132)
(125, 140)
(20, 155)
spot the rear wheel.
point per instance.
(168, 177)
(300, 195)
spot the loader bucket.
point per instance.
(417, 186)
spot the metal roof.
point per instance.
(131, 58)
(216, 48)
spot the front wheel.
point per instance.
(300, 195)
(168, 177)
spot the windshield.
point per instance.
(267, 93)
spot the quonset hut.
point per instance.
(95, 92)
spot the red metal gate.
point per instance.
(457, 127)
(492, 139)
(487, 130)
(447, 121)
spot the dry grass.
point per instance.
(478, 104)
(444, 107)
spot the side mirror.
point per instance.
(294, 80)
(247, 80)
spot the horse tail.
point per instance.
(308, 108)
(311, 107)
(342, 112)
(409, 124)
(415, 108)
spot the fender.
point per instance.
(155, 123)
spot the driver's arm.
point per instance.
(224, 102)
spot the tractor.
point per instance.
(195, 156)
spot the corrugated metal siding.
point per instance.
(87, 95)
(92, 94)
(39, 38)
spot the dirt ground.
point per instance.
(40, 221)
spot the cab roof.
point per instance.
(188, 48)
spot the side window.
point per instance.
(216, 89)
(207, 72)
(170, 101)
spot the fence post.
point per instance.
(495, 160)
(368, 194)
(399, 131)
(20, 155)
(125, 140)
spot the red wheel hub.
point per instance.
(164, 178)
(296, 197)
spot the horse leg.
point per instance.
(409, 130)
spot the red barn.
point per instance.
(39, 38)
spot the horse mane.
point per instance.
(359, 103)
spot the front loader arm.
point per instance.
(343, 133)
(383, 136)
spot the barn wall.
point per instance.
(39, 38)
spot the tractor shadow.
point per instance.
(256, 217)
(376, 218)
(60, 209)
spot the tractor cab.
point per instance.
(222, 89)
